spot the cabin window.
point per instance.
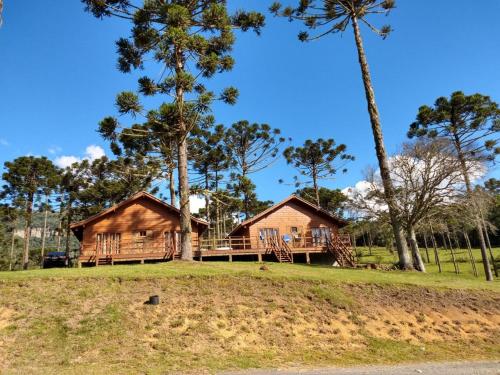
(142, 237)
(108, 243)
(268, 233)
(320, 235)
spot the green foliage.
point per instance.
(316, 160)
(333, 16)
(332, 200)
(251, 148)
(470, 122)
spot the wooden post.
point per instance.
(142, 261)
(230, 257)
(259, 256)
(79, 264)
(308, 258)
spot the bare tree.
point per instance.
(425, 176)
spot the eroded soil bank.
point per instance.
(205, 324)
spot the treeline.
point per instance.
(191, 43)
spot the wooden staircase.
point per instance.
(342, 253)
(103, 260)
(280, 249)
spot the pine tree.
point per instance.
(252, 148)
(332, 200)
(154, 140)
(192, 41)
(471, 124)
(211, 161)
(316, 160)
(25, 178)
(335, 16)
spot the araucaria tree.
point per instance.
(252, 148)
(317, 160)
(25, 178)
(471, 124)
(327, 17)
(192, 41)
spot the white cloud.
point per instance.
(66, 161)
(3, 142)
(92, 153)
(54, 150)
(196, 202)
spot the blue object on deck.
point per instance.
(287, 238)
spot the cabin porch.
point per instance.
(229, 248)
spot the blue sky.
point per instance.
(58, 78)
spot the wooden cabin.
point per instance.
(140, 228)
(286, 230)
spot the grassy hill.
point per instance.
(216, 316)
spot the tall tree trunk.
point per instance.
(436, 252)
(316, 188)
(171, 186)
(479, 227)
(27, 231)
(370, 244)
(487, 236)
(455, 264)
(217, 207)
(471, 256)
(13, 243)
(419, 264)
(185, 222)
(69, 219)
(207, 201)
(44, 233)
(426, 248)
(404, 258)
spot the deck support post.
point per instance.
(308, 258)
(201, 257)
(142, 261)
(259, 257)
(79, 264)
(230, 257)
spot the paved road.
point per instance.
(463, 368)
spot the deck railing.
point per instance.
(254, 243)
(135, 247)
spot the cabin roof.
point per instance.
(134, 197)
(299, 200)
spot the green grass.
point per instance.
(383, 256)
(216, 316)
(447, 279)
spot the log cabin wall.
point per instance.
(140, 215)
(291, 214)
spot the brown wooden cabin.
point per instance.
(140, 228)
(290, 228)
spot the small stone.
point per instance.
(264, 268)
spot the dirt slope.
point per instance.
(212, 323)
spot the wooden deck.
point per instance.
(226, 248)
